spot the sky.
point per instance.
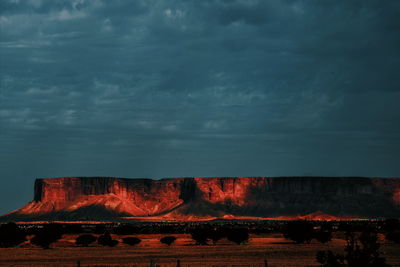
(183, 88)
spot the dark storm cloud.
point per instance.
(203, 88)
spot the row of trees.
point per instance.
(299, 231)
(202, 236)
(11, 235)
(106, 240)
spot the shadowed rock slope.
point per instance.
(106, 198)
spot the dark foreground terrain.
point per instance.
(273, 247)
(218, 243)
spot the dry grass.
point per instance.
(278, 252)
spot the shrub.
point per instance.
(323, 236)
(85, 240)
(217, 234)
(359, 251)
(299, 231)
(49, 234)
(392, 228)
(106, 240)
(391, 225)
(200, 235)
(11, 235)
(393, 236)
(132, 241)
(168, 240)
(329, 259)
(238, 235)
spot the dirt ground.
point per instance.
(150, 252)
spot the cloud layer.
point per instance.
(197, 88)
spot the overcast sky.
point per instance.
(197, 88)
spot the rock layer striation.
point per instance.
(106, 198)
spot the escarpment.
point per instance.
(107, 198)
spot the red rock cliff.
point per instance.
(98, 198)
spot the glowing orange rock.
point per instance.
(314, 198)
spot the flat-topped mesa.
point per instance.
(99, 198)
(140, 197)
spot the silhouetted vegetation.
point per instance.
(200, 235)
(100, 229)
(72, 228)
(85, 240)
(170, 228)
(392, 229)
(132, 241)
(324, 234)
(238, 235)
(204, 233)
(11, 235)
(361, 251)
(393, 236)
(168, 240)
(49, 234)
(391, 225)
(126, 229)
(304, 231)
(299, 231)
(106, 240)
(217, 234)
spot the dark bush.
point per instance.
(393, 236)
(85, 240)
(106, 240)
(392, 229)
(362, 251)
(217, 234)
(11, 235)
(168, 240)
(49, 234)
(238, 235)
(330, 259)
(391, 225)
(324, 235)
(132, 241)
(200, 235)
(299, 231)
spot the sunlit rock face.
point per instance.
(106, 198)
(139, 197)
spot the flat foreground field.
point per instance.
(274, 248)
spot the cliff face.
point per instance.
(100, 198)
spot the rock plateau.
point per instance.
(106, 198)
